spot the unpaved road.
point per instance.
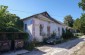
(81, 51)
(59, 49)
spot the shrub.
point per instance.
(63, 34)
(10, 36)
(12, 29)
(29, 46)
(53, 34)
(14, 36)
(25, 36)
(9, 29)
(67, 35)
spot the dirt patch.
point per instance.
(81, 51)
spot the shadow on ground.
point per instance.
(65, 45)
(68, 44)
(35, 52)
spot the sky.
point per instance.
(57, 9)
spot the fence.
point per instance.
(11, 40)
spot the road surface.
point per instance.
(59, 49)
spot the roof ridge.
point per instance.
(45, 13)
(34, 15)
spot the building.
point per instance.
(41, 26)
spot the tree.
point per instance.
(82, 22)
(81, 4)
(68, 20)
(9, 21)
(77, 24)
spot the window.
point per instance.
(48, 30)
(59, 31)
(41, 29)
(25, 26)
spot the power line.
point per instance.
(19, 11)
(28, 12)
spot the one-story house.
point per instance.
(42, 25)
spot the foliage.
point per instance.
(82, 22)
(44, 40)
(81, 4)
(25, 36)
(67, 35)
(68, 20)
(63, 33)
(8, 20)
(9, 29)
(29, 46)
(14, 36)
(53, 34)
(52, 39)
(77, 24)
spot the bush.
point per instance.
(13, 36)
(25, 36)
(12, 29)
(53, 34)
(44, 40)
(9, 29)
(29, 46)
(67, 35)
